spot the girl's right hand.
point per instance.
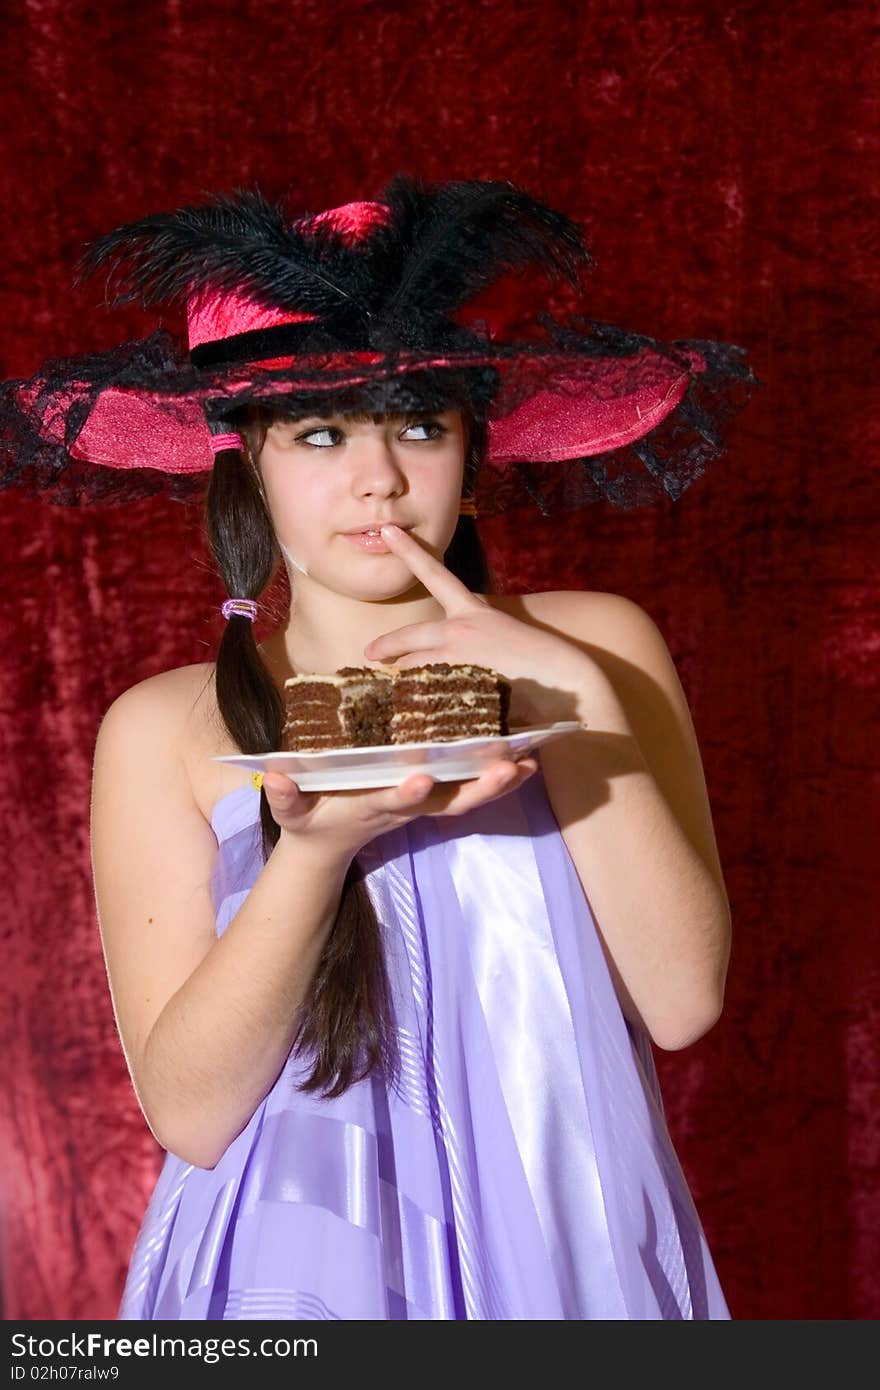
(345, 821)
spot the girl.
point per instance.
(397, 1042)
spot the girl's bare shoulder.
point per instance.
(181, 694)
(183, 700)
(608, 628)
(559, 608)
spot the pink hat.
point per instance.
(372, 305)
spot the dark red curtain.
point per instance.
(723, 160)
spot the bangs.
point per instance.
(265, 416)
(376, 417)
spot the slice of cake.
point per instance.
(441, 701)
(349, 709)
(360, 707)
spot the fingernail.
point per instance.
(389, 529)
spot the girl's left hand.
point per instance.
(545, 671)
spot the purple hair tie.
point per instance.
(242, 607)
(225, 441)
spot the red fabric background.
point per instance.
(722, 158)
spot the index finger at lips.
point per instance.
(441, 582)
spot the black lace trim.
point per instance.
(598, 359)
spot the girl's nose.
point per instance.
(374, 467)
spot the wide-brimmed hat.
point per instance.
(374, 305)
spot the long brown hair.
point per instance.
(346, 1018)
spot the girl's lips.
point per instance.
(367, 542)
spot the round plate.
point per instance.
(387, 765)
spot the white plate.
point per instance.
(387, 765)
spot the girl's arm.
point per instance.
(630, 796)
(206, 1024)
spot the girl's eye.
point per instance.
(428, 425)
(414, 425)
(303, 438)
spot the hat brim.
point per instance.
(137, 420)
(577, 411)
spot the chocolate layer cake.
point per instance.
(350, 709)
(439, 702)
(359, 706)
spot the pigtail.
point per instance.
(239, 532)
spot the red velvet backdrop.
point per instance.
(720, 157)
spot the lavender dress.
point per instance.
(520, 1167)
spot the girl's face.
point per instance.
(324, 476)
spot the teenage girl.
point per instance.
(208, 1022)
